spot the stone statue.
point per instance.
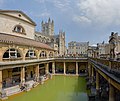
(112, 43)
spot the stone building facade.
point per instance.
(20, 54)
(78, 48)
(48, 36)
(103, 50)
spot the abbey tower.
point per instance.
(48, 27)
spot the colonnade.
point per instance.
(36, 71)
(94, 74)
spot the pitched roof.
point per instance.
(12, 39)
(17, 11)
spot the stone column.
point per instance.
(110, 65)
(97, 81)
(37, 72)
(46, 68)
(89, 69)
(22, 75)
(92, 73)
(111, 93)
(64, 68)
(0, 79)
(53, 67)
(76, 68)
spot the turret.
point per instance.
(49, 20)
(48, 27)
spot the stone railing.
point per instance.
(110, 66)
(11, 59)
(115, 65)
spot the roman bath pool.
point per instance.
(59, 88)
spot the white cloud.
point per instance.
(104, 12)
(63, 5)
(81, 19)
(45, 14)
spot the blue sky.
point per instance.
(82, 20)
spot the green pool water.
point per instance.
(59, 88)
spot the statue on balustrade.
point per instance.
(112, 43)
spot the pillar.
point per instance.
(89, 69)
(110, 65)
(97, 81)
(0, 79)
(92, 73)
(111, 93)
(53, 67)
(76, 68)
(64, 68)
(37, 72)
(46, 68)
(22, 74)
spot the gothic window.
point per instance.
(52, 40)
(31, 54)
(11, 53)
(43, 54)
(57, 40)
(19, 29)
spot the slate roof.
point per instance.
(12, 39)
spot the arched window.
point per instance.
(31, 54)
(50, 54)
(11, 53)
(19, 29)
(43, 54)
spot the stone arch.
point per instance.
(31, 53)
(82, 68)
(56, 53)
(19, 29)
(51, 54)
(43, 54)
(12, 53)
